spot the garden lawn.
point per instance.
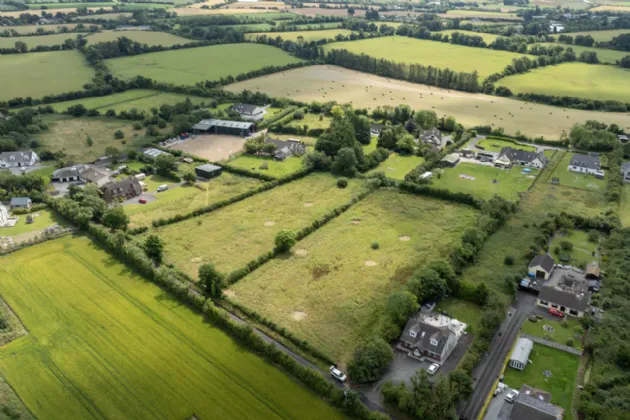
(462, 310)
(496, 145)
(430, 53)
(560, 334)
(307, 36)
(105, 343)
(396, 166)
(576, 180)
(44, 73)
(511, 182)
(46, 218)
(331, 290)
(582, 252)
(580, 80)
(184, 199)
(603, 54)
(150, 38)
(369, 148)
(235, 235)
(563, 367)
(275, 168)
(312, 121)
(175, 66)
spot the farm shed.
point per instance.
(520, 354)
(450, 161)
(208, 171)
(234, 128)
(541, 266)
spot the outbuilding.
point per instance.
(21, 203)
(450, 161)
(233, 128)
(541, 267)
(521, 352)
(208, 171)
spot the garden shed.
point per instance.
(208, 171)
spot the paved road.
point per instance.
(489, 369)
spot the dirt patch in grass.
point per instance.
(229, 293)
(212, 147)
(371, 263)
(355, 222)
(269, 223)
(404, 238)
(308, 204)
(301, 253)
(320, 271)
(299, 315)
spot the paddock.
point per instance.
(214, 147)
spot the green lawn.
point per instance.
(582, 252)
(561, 384)
(69, 5)
(312, 121)
(430, 53)
(275, 168)
(396, 166)
(46, 218)
(579, 80)
(44, 73)
(488, 38)
(496, 145)
(46, 171)
(105, 343)
(560, 334)
(331, 290)
(574, 179)
(306, 36)
(510, 183)
(150, 38)
(175, 66)
(369, 148)
(603, 54)
(462, 310)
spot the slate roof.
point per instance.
(522, 155)
(543, 260)
(533, 404)
(246, 108)
(20, 201)
(376, 127)
(625, 167)
(567, 298)
(429, 134)
(424, 333)
(97, 176)
(127, 187)
(295, 147)
(13, 157)
(586, 161)
(69, 171)
(207, 124)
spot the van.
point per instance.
(162, 187)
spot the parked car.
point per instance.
(555, 312)
(162, 187)
(433, 368)
(511, 396)
(142, 201)
(337, 374)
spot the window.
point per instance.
(553, 305)
(434, 342)
(544, 302)
(412, 333)
(573, 312)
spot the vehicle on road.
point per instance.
(433, 368)
(337, 374)
(555, 312)
(162, 187)
(142, 201)
(511, 396)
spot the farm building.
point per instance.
(510, 156)
(541, 266)
(586, 164)
(18, 159)
(234, 128)
(287, 148)
(208, 171)
(487, 156)
(21, 203)
(249, 112)
(520, 354)
(450, 161)
(125, 189)
(566, 293)
(152, 153)
(431, 336)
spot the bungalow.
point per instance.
(531, 404)
(586, 164)
(569, 295)
(125, 189)
(509, 156)
(625, 171)
(69, 173)
(375, 129)
(96, 175)
(18, 159)
(541, 267)
(521, 352)
(287, 148)
(249, 112)
(21, 203)
(431, 336)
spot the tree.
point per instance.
(119, 134)
(625, 62)
(387, 139)
(345, 162)
(116, 218)
(481, 294)
(113, 153)
(406, 144)
(154, 248)
(21, 46)
(370, 360)
(341, 134)
(94, 203)
(400, 305)
(165, 164)
(317, 161)
(426, 119)
(361, 126)
(211, 280)
(350, 11)
(461, 384)
(89, 141)
(190, 177)
(427, 285)
(285, 239)
(450, 124)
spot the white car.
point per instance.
(433, 368)
(337, 374)
(511, 396)
(162, 187)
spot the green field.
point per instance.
(105, 343)
(624, 208)
(576, 180)
(603, 54)
(63, 5)
(511, 182)
(247, 229)
(488, 38)
(31, 29)
(559, 334)
(176, 66)
(561, 384)
(184, 199)
(312, 121)
(583, 249)
(40, 74)
(144, 37)
(601, 36)
(306, 36)
(331, 290)
(42, 220)
(579, 80)
(35, 41)
(275, 168)
(396, 166)
(492, 144)
(430, 53)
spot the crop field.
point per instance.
(105, 343)
(396, 166)
(316, 11)
(257, 5)
(576, 180)
(248, 228)
(601, 36)
(306, 36)
(603, 54)
(44, 73)
(242, 13)
(485, 181)
(60, 5)
(53, 11)
(430, 53)
(580, 80)
(140, 99)
(184, 199)
(274, 168)
(321, 83)
(488, 38)
(611, 8)
(175, 66)
(331, 290)
(36, 41)
(478, 14)
(144, 37)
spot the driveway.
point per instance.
(27, 169)
(496, 405)
(134, 200)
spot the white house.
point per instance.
(586, 164)
(249, 112)
(431, 336)
(18, 159)
(510, 156)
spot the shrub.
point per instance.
(375, 245)
(566, 245)
(342, 182)
(119, 135)
(564, 323)
(548, 337)
(508, 260)
(370, 360)
(570, 342)
(532, 318)
(298, 115)
(285, 239)
(137, 126)
(539, 316)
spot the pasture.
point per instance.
(31, 29)
(483, 182)
(36, 41)
(40, 74)
(175, 66)
(184, 199)
(362, 90)
(396, 166)
(70, 5)
(231, 237)
(601, 36)
(488, 38)
(603, 54)
(430, 53)
(150, 38)
(268, 165)
(330, 291)
(105, 343)
(305, 36)
(576, 180)
(581, 80)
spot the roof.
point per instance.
(428, 134)
(246, 108)
(522, 349)
(571, 299)
(17, 156)
(586, 161)
(208, 167)
(451, 158)
(123, 187)
(375, 126)
(427, 337)
(153, 152)
(593, 269)
(295, 147)
(20, 201)
(207, 124)
(522, 155)
(97, 176)
(625, 167)
(533, 404)
(543, 260)
(69, 171)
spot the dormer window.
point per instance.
(412, 333)
(434, 342)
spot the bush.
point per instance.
(298, 115)
(548, 337)
(119, 135)
(532, 318)
(570, 342)
(137, 126)
(564, 323)
(539, 316)
(342, 182)
(370, 360)
(375, 245)
(566, 245)
(508, 260)
(285, 239)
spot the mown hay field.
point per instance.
(177, 66)
(105, 343)
(430, 53)
(331, 290)
(307, 36)
(330, 83)
(235, 235)
(581, 80)
(603, 54)
(41, 74)
(601, 36)
(150, 38)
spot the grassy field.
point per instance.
(579, 80)
(331, 290)
(60, 5)
(559, 334)
(321, 83)
(247, 229)
(576, 180)
(35, 41)
(583, 249)
(144, 37)
(140, 99)
(312, 121)
(175, 66)
(511, 182)
(605, 55)
(307, 36)
(488, 38)
(396, 166)
(31, 29)
(105, 343)
(44, 219)
(561, 384)
(275, 168)
(431, 53)
(40, 74)
(624, 208)
(462, 310)
(496, 145)
(107, 16)
(185, 199)
(601, 36)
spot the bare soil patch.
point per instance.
(269, 223)
(404, 238)
(299, 315)
(355, 222)
(230, 293)
(212, 147)
(300, 253)
(371, 263)
(308, 204)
